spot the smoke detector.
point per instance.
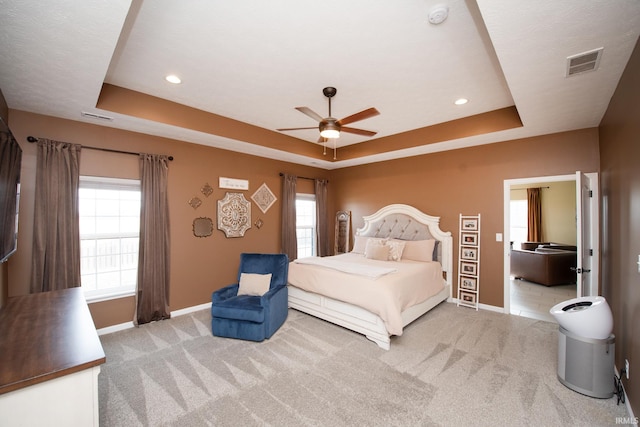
(438, 14)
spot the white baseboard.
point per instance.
(480, 306)
(129, 325)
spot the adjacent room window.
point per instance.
(109, 236)
(306, 224)
(518, 222)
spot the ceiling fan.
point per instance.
(330, 127)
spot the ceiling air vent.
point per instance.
(96, 116)
(583, 62)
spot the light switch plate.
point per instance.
(499, 237)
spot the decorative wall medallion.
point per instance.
(264, 198)
(259, 223)
(195, 202)
(202, 227)
(207, 189)
(234, 214)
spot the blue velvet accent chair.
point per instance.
(252, 317)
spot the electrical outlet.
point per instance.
(626, 367)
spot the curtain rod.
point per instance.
(34, 139)
(303, 177)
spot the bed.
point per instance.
(366, 292)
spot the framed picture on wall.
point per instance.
(469, 268)
(468, 283)
(469, 239)
(469, 253)
(470, 224)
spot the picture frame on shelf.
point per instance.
(468, 283)
(470, 224)
(468, 297)
(470, 254)
(469, 268)
(469, 239)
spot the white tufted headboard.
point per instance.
(405, 222)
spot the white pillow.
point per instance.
(372, 242)
(419, 250)
(396, 247)
(359, 244)
(254, 284)
(378, 252)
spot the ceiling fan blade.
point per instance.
(322, 140)
(357, 131)
(314, 127)
(365, 114)
(309, 112)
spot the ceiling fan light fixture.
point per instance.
(329, 130)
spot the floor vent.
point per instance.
(96, 116)
(584, 62)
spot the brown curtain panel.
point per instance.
(289, 238)
(10, 161)
(534, 206)
(56, 223)
(322, 229)
(152, 291)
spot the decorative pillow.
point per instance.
(371, 242)
(420, 250)
(254, 284)
(396, 247)
(378, 252)
(359, 244)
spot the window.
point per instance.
(519, 223)
(109, 236)
(306, 224)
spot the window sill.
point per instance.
(108, 297)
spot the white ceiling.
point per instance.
(254, 61)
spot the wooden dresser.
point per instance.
(50, 357)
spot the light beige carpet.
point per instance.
(453, 366)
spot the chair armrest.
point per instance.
(225, 293)
(276, 306)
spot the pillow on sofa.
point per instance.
(254, 284)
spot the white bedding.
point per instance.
(411, 283)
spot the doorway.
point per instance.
(586, 234)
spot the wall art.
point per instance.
(234, 215)
(264, 198)
(206, 189)
(195, 202)
(202, 227)
(233, 184)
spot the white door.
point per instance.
(584, 264)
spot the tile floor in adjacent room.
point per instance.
(534, 301)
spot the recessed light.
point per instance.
(461, 101)
(172, 78)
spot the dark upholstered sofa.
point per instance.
(545, 263)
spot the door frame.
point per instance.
(595, 227)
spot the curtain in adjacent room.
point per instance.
(322, 228)
(152, 291)
(10, 161)
(534, 206)
(56, 225)
(289, 238)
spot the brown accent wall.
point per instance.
(620, 189)
(467, 181)
(198, 265)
